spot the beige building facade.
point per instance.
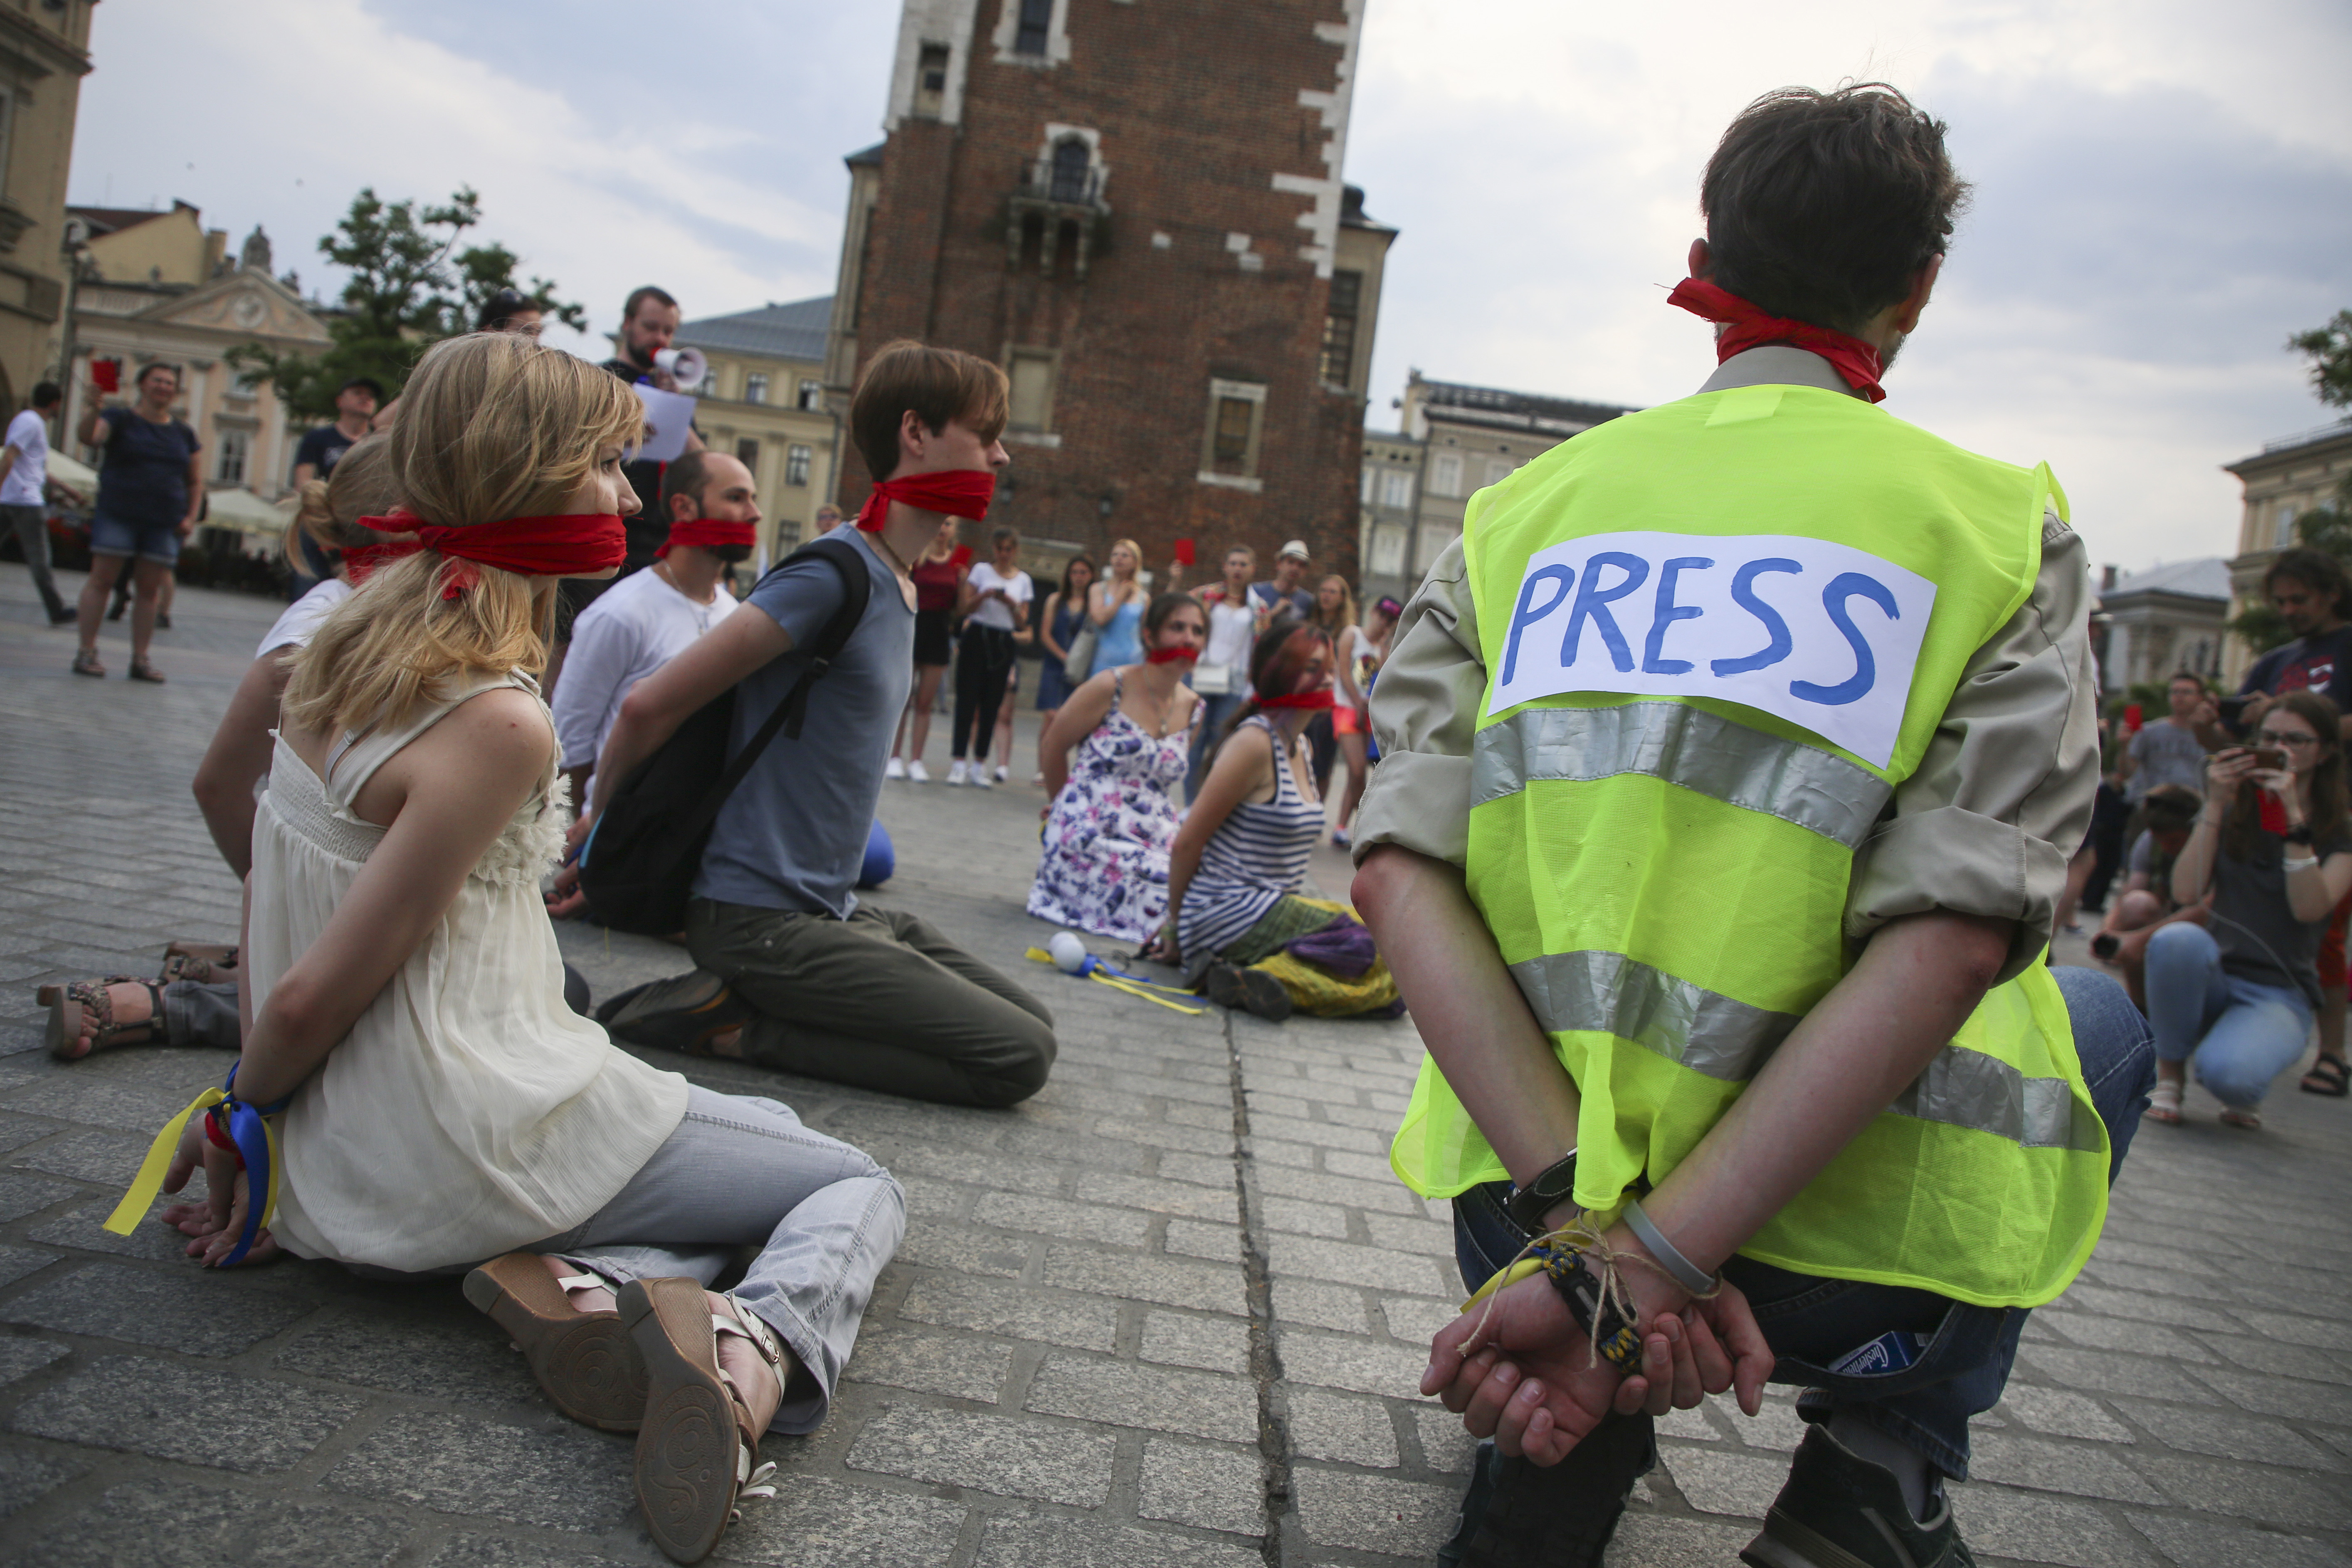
(2286, 479)
(763, 400)
(2163, 621)
(1392, 488)
(44, 54)
(1472, 437)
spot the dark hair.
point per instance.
(2240, 830)
(936, 385)
(640, 295)
(2312, 569)
(1167, 605)
(1280, 652)
(367, 384)
(1000, 534)
(1824, 206)
(2187, 675)
(684, 476)
(45, 393)
(503, 307)
(1094, 574)
(150, 368)
(2171, 807)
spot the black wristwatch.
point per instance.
(1609, 1329)
(1551, 1186)
(2300, 834)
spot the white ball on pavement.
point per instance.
(1069, 952)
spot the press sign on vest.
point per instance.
(1821, 635)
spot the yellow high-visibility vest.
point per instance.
(1718, 635)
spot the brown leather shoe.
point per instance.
(583, 1360)
(697, 1451)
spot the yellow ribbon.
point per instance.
(1131, 985)
(151, 1170)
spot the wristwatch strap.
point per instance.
(1610, 1331)
(1550, 1188)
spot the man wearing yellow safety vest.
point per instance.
(1730, 763)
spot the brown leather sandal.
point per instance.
(584, 1361)
(697, 1448)
(202, 962)
(72, 1004)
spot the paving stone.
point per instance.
(558, 1475)
(171, 1524)
(950, 1365)
(1126, 1395)
(193, 1415)
(1347, 1430)
(109, 1159)
(503, 1552)
(1310, 1303)
(1212, 1488)
(2194, 1543)
(101, 1102)
(1375, 1266)
(1381, 1194)
(930, 1245)
(2044, 1466)
(26, 1478)
(2297, 1330)
(2122, 1335)
(816, 1523)
(1014, 1541)
(22, 1194)
(2059, 1413)
(1721, 1481)
(1361, 1365)
(2103, 1372)
(201, 1311)
(1199, 1238)
(1775, 1427)
(1373, 1513)
(84, 1229)
(23, 1357)
(1327, 1220)
(1053, 1216)
(1172, 1283)
(2229, 1436)
(15, 1262)
(2169, 1310)
(1410, 1233)
(1446, 1445)
(1651, 1541)
(461, 1359)
(2279, 1395)
(17, 1130)
(1415, 1319)
(987, 1453)
(1213, 1344)
(2285, 1497)
(1161, 1196)
(1083, 1323)
(1999, 1522)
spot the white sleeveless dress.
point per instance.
(469, 1111)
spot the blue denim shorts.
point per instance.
(158, 541)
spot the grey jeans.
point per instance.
(741, 1170)
(32, 526)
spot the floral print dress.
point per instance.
(1105, 868)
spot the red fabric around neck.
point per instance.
(1309, 699)
(1751, 327)
(1173, 655)
(701, 531)
(573, 545)
(958, 492)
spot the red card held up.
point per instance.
(107, 373)
(1184, 555)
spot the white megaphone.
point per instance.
(687, 366)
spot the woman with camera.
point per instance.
(2273, 847)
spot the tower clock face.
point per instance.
(248, 310)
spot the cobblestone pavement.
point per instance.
(1170, 1311)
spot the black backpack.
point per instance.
(638, 868)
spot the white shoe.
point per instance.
(1000, 772)
(895, 769)
(959, 774)
(979, 779)
(918, 773)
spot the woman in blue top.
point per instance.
(149, 492)
(1115, 605)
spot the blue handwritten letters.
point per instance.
(1821, 635)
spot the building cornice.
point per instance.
(39, 48)
(2327, 441)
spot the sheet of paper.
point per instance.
(669, 419)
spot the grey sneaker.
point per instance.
(1523, 1515)
(1839, 1512)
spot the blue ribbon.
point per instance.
(257, 1145)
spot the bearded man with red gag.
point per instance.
(792, 972)
(1730, 763)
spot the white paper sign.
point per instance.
(669, 418)
(1821, 635)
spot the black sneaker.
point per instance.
(684, 1013)
(1251, 990)
(1522, 1515)
(1839, 1512)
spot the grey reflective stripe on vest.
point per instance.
(1691, 747)
(1730, 1041)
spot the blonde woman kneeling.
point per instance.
(407, 1003)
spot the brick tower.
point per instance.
(1135, 206)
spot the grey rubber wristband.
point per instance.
(1688, 1275)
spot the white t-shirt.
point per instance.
(300, 621)
(28, 437)
(635, 627)
(1231, 628)
(995, 611)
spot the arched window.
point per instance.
(1072, 163)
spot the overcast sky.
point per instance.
(2164, 189)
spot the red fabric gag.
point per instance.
(1173, 655)
(958, 492)
(698, 532)
(1307, 699)
(1852, 358)
(573, 545)
(360, 561)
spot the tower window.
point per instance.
(1338, 365)
(1037, 21)
(931, 81)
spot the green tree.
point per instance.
(409, 287)
(2328, 527)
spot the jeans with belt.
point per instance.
(744, 1172)
(1963, 1353)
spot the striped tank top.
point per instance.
(1257, 855)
